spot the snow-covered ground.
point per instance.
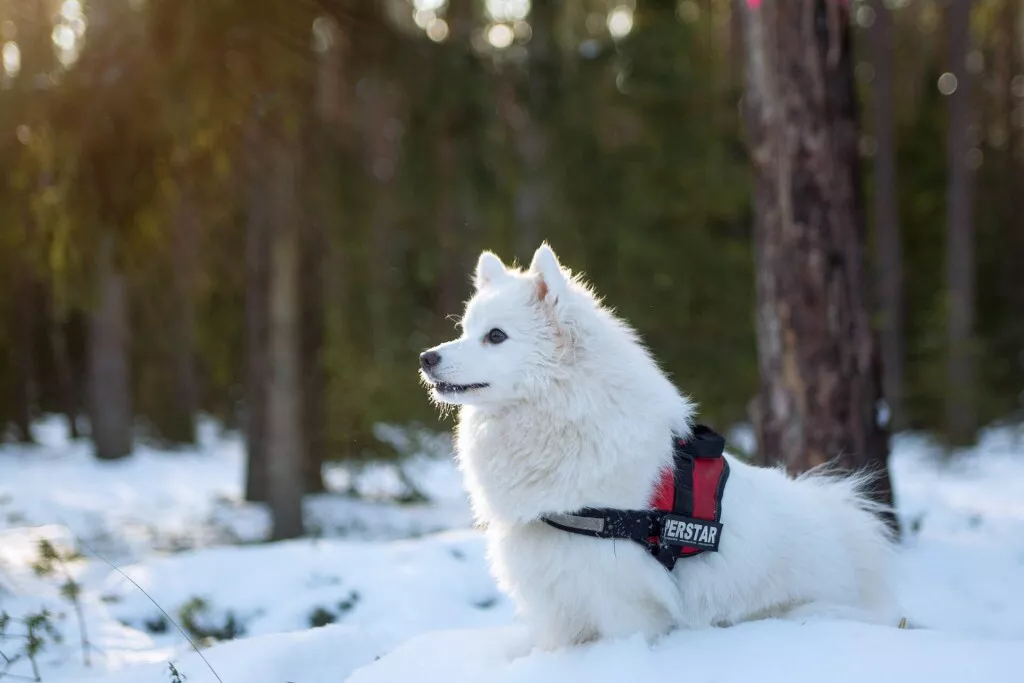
(401, 592)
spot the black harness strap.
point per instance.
(661, 532)
(633, 525)
(609, 523)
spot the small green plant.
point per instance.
(176, 676)
(167, 616)
(52, 562)
(37, 630)
(350, 602)
(156, 625)
(195, 612)
(321, 617)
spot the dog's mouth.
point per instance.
(449, 388)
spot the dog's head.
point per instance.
(516, 334)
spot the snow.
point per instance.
(767, 652)
(407, 590)
(177, 500)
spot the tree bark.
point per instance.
(381, 123)
(110, 404)
(888, 242)
(1010, 63)
(256, 313)
(64, 373)
(448, 228)
(534, 121)
(313, 324)
(181, 425)
(456, 207)
(285, 442)
(819, 360)
(23, 325)
(961, 415)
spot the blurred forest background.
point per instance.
(191, 188)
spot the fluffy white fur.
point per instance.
(576, 412)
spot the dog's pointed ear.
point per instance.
(489, 269)
(552, 280)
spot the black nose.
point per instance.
(429, 359)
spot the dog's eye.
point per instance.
(496, 336)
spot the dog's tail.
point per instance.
(866, 523)
(860, 488)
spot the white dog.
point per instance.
(563, 408)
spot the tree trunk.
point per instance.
(313, 329)
(1010, 60)
(181, 425)
(110, 404)
(819, 361)
(454, 155)
(314, 374)
(23, 326)
(64, 373)
(961, 415)
(534, 120)
(256, 312)
(285, 442)
(448, 228)
(381, 124)
(888, 243)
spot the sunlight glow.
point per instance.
(11, 59)
(71, 10)
(68, 31)
(620, 21)
(500, 36)
(323, 34)
(947, 83)
(63, 37)
(428, 5)
(508, 10)
(523, 31)
(423, 17)
(865, 16)
(688, 11)
(437, 30)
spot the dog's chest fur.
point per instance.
(519, 465)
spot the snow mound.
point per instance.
(319, 655)
(400, 588)
(768, 652)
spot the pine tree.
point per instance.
(819, 360)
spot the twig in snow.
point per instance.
(155, 604)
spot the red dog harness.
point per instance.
(687, 505)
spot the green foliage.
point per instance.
(417, 161)
(194, 617)
(23, 639)
(176, 676)
(321, 616)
